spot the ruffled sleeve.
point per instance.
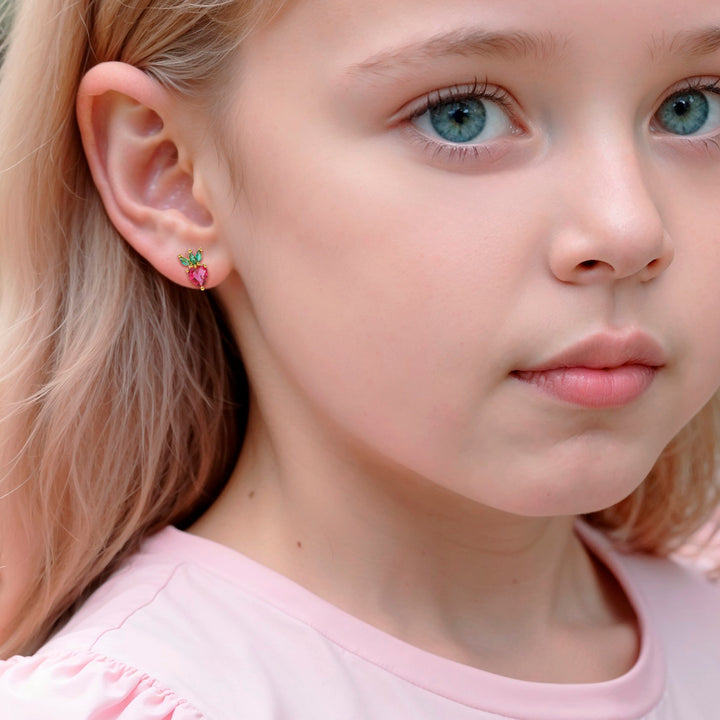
(85, 686)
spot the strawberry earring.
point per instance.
(197, 271)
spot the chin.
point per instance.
(571, 490)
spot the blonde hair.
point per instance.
(121, 394)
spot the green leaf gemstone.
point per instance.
(198, 256)
(184, 261)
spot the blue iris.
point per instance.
(684, 112)
(458, 121)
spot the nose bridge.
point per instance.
(618, 189)
(610, 223)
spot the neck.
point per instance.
(444, 573)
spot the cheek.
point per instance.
(690, 314)
(385, 295)
(390, 278)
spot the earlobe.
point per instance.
(142, 164)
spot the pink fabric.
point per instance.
(703, 550)
(191, 630)
(85, 685)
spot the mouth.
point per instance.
(602, 371)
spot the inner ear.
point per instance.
(139, 148)
(166, 186)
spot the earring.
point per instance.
(197, 271)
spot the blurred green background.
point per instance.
(5, 12)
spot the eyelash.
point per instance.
(477, 90)
(482, 90)
(697, 83)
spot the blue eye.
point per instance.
(459, 121)
(458, 117)
(687, 112)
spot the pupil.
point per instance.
(682, 107)
(459, 115)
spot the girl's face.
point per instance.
(480, 241)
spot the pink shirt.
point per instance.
(191, 630)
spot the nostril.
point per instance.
(656, 267)
(588, 264)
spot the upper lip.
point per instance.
(607, 350)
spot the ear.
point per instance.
(141, 149)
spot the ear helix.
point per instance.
(197, 271)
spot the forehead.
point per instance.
(366, 34)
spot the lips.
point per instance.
(602, 371)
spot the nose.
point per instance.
(609, 227)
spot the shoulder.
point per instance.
(157, 640)
(679, 606)
(95, 665)
(668, 590)
(81, 685)
(672, 589)
(684, 608)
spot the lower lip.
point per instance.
(590, 387)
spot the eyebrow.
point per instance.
(464, 43)
(690, 43)
(518, 44)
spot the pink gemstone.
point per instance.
(198, 276)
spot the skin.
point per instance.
(383, 293)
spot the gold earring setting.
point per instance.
(197, 271)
